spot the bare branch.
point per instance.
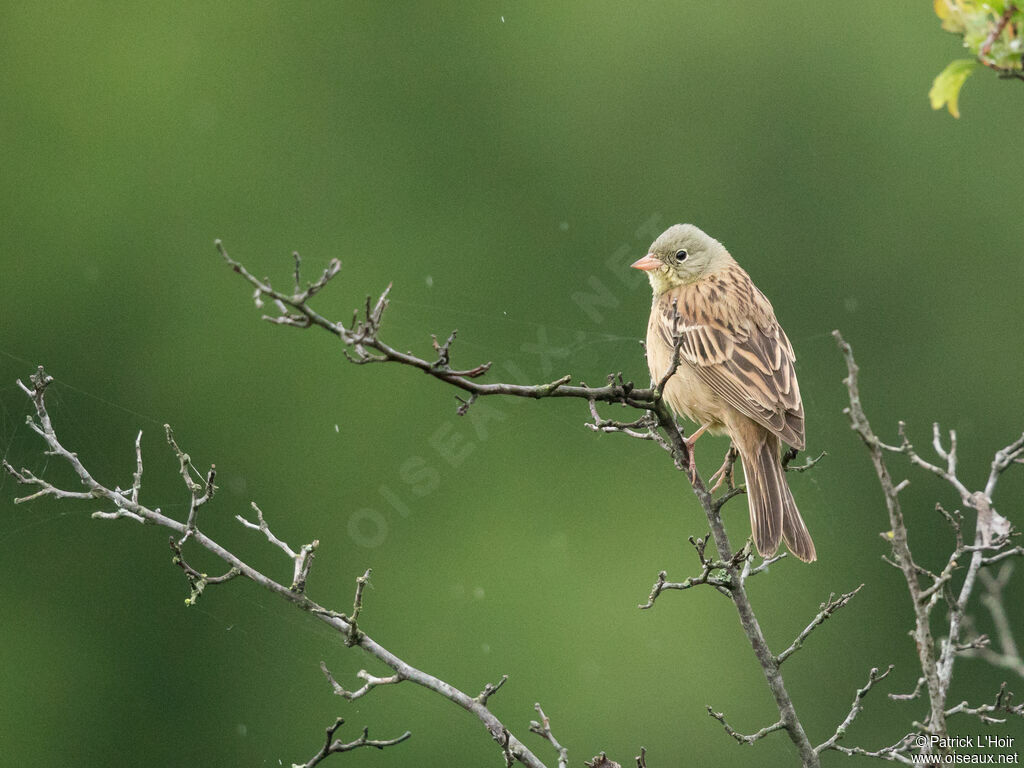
(332, 746)
(197, 581)
(370, 682)
(742, 738)
(1004, 555)
(25, 477)
(765, 564)
(662, 583)
(443, 361)
(1004, 457)
(897, 753)
(1002, 704)
(126, 506)
(723, 583)
(898, 539)
(543, 729)
(361, 336)
(303, 564)
(731, 493)
(200, 492)
(137, 477)
(840, 732)
(602, 761)
(644, 428)
(364, 345)
(829, 607)
(1008, 655)
(303, 559)
(990, 545)
(353, 635)
(490, 689)
(265, 530)
(949, 472)
(909, 696)
(298, 271)
(714, 573)
(809, 464)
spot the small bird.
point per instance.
(735, 371)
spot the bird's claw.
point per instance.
(725, 470)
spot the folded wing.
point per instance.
(730, 337)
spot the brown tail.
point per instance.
(773, 513)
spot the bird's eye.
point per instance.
(681, 255)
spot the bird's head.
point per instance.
(682, 254)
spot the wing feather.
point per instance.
(729, 336)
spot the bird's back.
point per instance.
(734, 355)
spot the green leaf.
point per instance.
(946, 88)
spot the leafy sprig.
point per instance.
(993, 32)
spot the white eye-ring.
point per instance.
(681, 255)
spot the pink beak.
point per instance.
(648, 263)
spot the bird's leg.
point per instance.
(725, 471)
(690, 441)
(697, 433)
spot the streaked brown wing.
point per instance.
(740, 351)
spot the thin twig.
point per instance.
(490, 689)
(543, 729)
(333, 746)
(1003, 704)
(909, 696)
(873, 677)
(126, 507)
(744, 738)
(927, 588)
(364, 345)
(829, 607)
(370, 682)
(197, 581)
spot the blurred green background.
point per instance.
(495, 160)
